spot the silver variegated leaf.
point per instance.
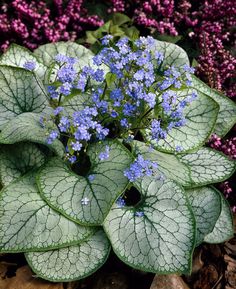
(207, 166)
(71, 263)
(27, 223)
(158, 234)
(27, 127)
(76, 103)
(224, 229)
(47, 52)
(201, 115)
(173, 54)
(227, 114)
(20, 92)
(83, 199)
(17, 56)
(168, 164)
(16, 160)
(206, 206)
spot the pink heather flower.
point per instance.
(32, 23)
(228, 147)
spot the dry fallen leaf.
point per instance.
(230, 274)
(24, 280)
(230, 247)
(197, 261)
(208, 278)
(3, 270)
(172, 281)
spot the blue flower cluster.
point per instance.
(138, 87)
(70, 78)
(120, 202)
(133, 71)
(173, 114)
(80, 129)
(137, 83)
(140, 168)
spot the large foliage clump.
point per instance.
(108, 151)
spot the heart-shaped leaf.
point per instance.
(17, 56)
(224, 229)
(208, 166)
(168, 164)
(206, 205)
(18, 160)
(86, 200)
(20, 92)
(47, 52)
(71, 263)
(200, 117)
(158, 234)
(173, 54)
(27, 223)
(227, 114)
(27, 127)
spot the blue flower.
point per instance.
(42, 121)
(116, 94)
(128, 109)
(101, 132)
(85, 201)
(114, 114)
(72, 159)
(98, 75)
(76, 146)
(53, 92)
(82, 133)
(139, 75)
(188, 69)
(64, 124)
(66, 88)
(159, 56)
(106, 39)
(61, 58)
(82, 81)
(91, 178)
(120, 202)
(52, 136)
(67, 73)
(157, 132)
(150, 98)
(104, 155)
(57, 110)
(29, 65)
(139, 214)
(178, 148)
(124, 122)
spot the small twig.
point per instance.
(217, 281)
